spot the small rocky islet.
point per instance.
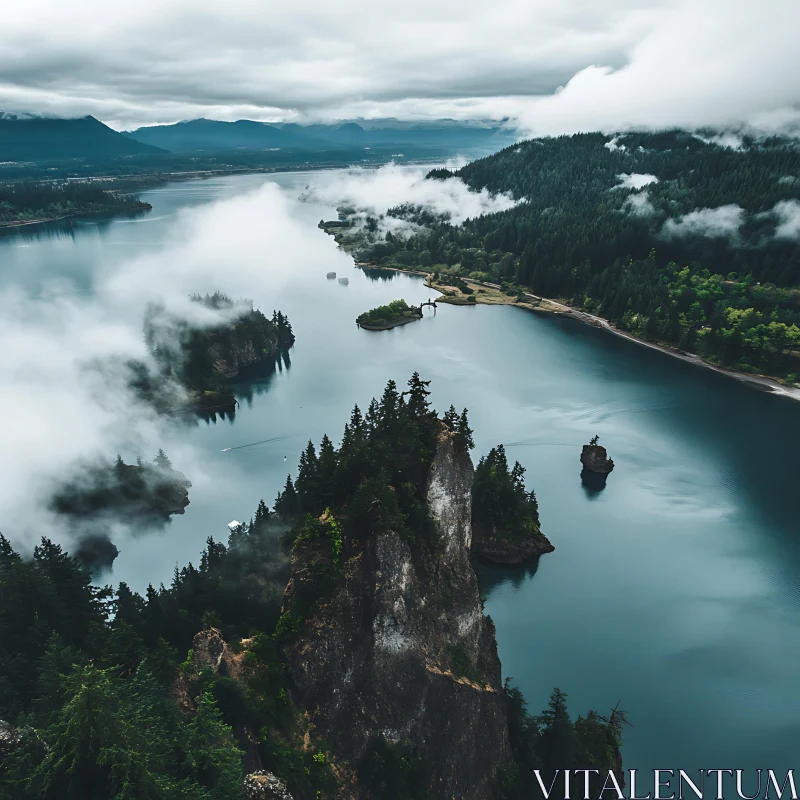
(596, 465)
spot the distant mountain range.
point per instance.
(206, 135)
(32, 146)
(27, 138)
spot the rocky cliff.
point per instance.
(492, 545)
(401, 652)
(594, 457)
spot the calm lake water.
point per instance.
(676, 590)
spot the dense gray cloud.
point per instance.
(625, 62)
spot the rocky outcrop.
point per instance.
(402, 652)
(209, 651)
(10, 739)
(493, 546)
(595, 458)
(263, 785)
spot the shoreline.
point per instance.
(150, 179)
(557, 308)
(77, 215)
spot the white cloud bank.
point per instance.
(63, 390)
(377, 190)
(636, 180)
(639, 205)
(710, 222)
(788, 216)
(622, 63)
(705, 63)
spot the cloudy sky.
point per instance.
(550, 65)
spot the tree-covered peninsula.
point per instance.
(505, 515)
(334, 647)
(398, 312)
(24, 203)
(669, 236)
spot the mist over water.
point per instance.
(674, 590)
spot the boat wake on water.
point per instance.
(255, 444)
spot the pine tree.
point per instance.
(161, 460)
(450, 418)
(286, 503)
(464, 432)
(356, 422)
(326, 477)
(262, 513)
(533, 503)
(306, 485)
(373, 417)
(389, 405)
(556, 747)
(212, 754)
(417, 403)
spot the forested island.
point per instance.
(140, 492)
(670, 237)
(100, 496)
(398, 312)
(29, 202)
(202, 360)
(374, 675)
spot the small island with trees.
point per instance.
(204, 360)
(398, 312)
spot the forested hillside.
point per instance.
(31, 201)
(671, 237)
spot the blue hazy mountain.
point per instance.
(28, 138)
(206, 135)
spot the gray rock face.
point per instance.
(9, 738)
(595, 458)
(403, 651)
(493, 546)
(265, 786)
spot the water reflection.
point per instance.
(593, 482)
(491, 576)
(378, 274)
(34, 232)
(258, 379)
(69, 227)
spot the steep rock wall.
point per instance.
(402, 651)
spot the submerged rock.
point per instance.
(401, 655)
